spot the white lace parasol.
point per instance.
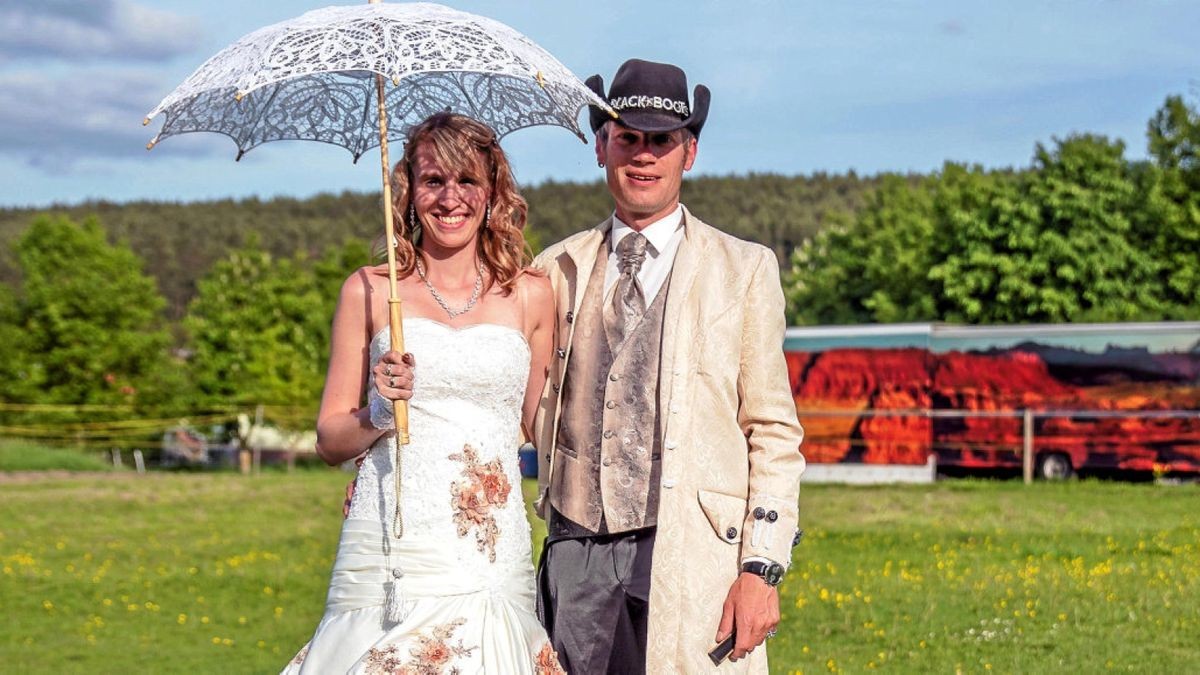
(312, 78)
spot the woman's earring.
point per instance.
(412, 217)
(487, 217)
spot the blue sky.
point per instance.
(798, 86)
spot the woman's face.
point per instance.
(450, 205)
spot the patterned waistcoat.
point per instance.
(608, 465)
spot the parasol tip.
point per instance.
(395, 80)
(614, 114)
(238, 96)
(541, 80)
(150, 145)
(145, 121)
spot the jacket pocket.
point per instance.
(569, 452)
(725, 513)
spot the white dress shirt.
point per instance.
(663, 237)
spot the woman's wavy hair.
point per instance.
(461, 144)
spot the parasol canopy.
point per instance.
(312, 78)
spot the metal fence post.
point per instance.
(1027, 445)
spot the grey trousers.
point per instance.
(594, 600)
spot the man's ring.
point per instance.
(387, 369)
(771, 633)
(392, 382)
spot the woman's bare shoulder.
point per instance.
(535, 285)
(368, 279)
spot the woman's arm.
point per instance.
(344, 428)
(540, 321)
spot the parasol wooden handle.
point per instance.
(399, 407)
(395, 316)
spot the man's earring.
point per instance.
(487, 217)
(412, 217)
(600, 164)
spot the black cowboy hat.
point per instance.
(650, 97)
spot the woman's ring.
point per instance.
(392, 382)
(387, 369)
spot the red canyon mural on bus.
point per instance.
(966, 370)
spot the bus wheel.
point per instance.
(1054, 466)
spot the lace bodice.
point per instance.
(464, 425)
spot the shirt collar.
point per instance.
(658, 233)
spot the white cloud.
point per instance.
(93, 29)
(53, 122)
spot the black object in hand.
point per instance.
(722, 651)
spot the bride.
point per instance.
(454, 591)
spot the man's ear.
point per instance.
(692, 147)
(600, 153)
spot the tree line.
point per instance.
(180, 242)
(1084, 234)
(158, 310)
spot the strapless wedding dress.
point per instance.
(455, 592)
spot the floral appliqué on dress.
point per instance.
(485, 489)
(431, 655)
(547, 662)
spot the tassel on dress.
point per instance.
(394, 610)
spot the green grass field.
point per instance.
(224, 573)
(16, 455)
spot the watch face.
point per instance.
(773, 574)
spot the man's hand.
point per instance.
(752, 606)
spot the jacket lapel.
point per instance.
(680, 304)
(583, 253)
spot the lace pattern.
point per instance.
(311, 78)
(468, 388)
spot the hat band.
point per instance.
(649, 103)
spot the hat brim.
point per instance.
(650, 121)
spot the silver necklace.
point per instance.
(442, 301)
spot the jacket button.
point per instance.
(610, 404)
(570, 317)
(607, 461)
(760, 513)
(608, 433)
(772, 516)
(731, 533)
(614, 377)
(562, 353)
(555, 387)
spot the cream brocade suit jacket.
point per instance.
(731, 440)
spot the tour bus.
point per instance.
(1091, 398)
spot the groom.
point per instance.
(668, 444)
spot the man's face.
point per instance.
(644, 171)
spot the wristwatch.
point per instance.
(771, 572)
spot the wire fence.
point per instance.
(104, 427)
